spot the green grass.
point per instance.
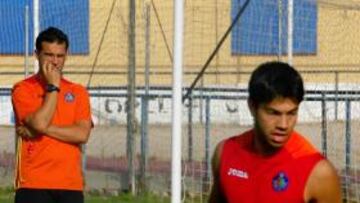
(126, 198)
(7, 196)
(100, 199)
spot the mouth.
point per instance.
(279, 138)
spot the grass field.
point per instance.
(7, 196)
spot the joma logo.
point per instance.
(238, 173)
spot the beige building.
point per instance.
(338, 45)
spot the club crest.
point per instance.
(280, 182)
(69, 97)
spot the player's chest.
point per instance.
(66, 106)
(258, 181)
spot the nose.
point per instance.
(283, 122)
(55, 60)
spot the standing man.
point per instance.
(53, 119)
(272, 162)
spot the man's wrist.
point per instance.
(52, 88)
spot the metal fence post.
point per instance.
(323, 125)
(190, 126)
(207, 144)
(131, 99)
(336, 94)
(144, 143)
(347, 145)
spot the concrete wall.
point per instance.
(205, 22)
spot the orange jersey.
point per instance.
(45, 162)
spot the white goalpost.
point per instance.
(176, 102)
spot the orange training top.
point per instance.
(45, 162)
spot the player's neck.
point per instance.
(261, 146)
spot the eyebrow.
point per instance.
(275, 110)
(52, 54)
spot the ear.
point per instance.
(252, 107)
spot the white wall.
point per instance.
(107, 110)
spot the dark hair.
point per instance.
(275, 79)
(51, 34)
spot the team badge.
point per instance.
(69, 97)
(280, 182)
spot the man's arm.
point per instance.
(323, 185)
(76, 134)
(79, 131)
(41, 118)
(216, 195)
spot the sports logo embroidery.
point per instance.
(69, 97)
(280, 182)
(238, 173)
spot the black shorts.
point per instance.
(25, 195)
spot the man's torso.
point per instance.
(249, 178)
(44, 162)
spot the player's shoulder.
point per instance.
(240, 139)
(300, 144)
(324, 170)
(27, 83)
(235, 142)
(323, 183)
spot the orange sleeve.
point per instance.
(24, 101)
(83, 110)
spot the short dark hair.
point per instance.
(275, 79)
(51, 34)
